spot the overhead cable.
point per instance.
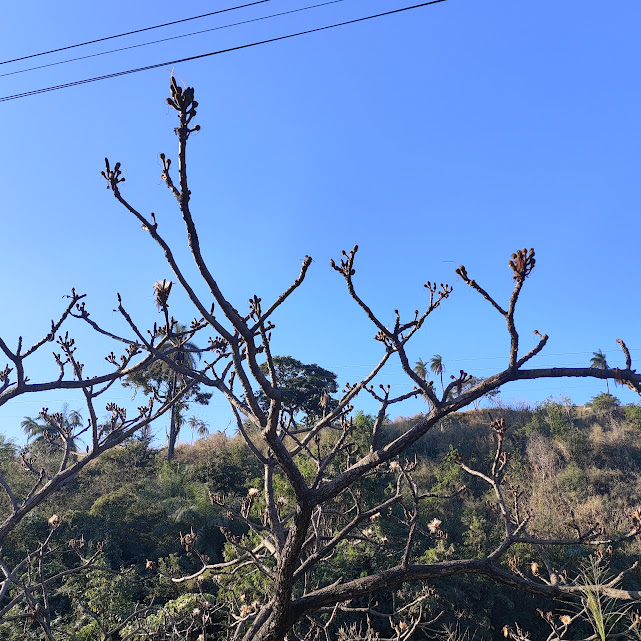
(214, 53)
(129, 33)
(184, 35)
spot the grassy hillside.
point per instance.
(573, 468)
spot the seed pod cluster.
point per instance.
(162, 289)
(522, 263)
(500, 427)
(182, 100)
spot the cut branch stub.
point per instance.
(166, 164)
(522, 263)
(462, 272)
(626, 353)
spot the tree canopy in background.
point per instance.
(302, 387)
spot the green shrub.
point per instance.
(604, 403)
(573, 482)
(633, 415)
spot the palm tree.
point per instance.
(161, 378)
(436, 365)
(198, 426)
(598, 362)
(42, 429)
(421, 368)
(421, 371)
(185, 355)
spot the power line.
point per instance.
(214, 53)
(184, 35)
(129, 33)
(491, 358)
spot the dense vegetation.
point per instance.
(144, 521)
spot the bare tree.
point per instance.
(25, 586)
(292, 539)
(293, 533)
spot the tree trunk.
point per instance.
(173, 431)
(279, 619)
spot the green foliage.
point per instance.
(161, 378)
(162, 381)
(189, 617)
(137, 505)
(245, 587)
(573, 482)
(49, 428)
(558, 419)
(420, 367)
(449, 475)
(363, 428)
(7, 450)
(302, 386)
(475, 536)
(604, 403)
(559, 416)
(633, 415)
(224, 464)
(437, 366)
(604, 615)
(440, 551)
(108, 597)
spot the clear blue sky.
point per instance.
(454, 133)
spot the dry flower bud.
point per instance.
(434, 525)
(54, 521)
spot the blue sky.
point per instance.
(455, 133)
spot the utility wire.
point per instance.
(129, 33)
(214, 53)
(185, 35)
(491, 358)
